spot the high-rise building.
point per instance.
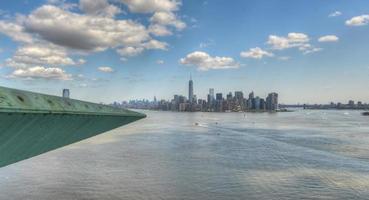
(256, 103)
(211, 92)
(229, 96)
(251, 95)
(250, 101)
(66, 93)
(219, 96)
(272, 101)
(190, 90)
(238, 95)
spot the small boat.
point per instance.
(365, 113)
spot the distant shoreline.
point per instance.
(254, 111)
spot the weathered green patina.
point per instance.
(32, 123)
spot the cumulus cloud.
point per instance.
(34, 55)
(136, 50)
(106, 69)
(292, 40)
(328, 38)
(159, 30)
(130, 51)
(91, 33)
(15, 31)
(205, 62)
(155, 44)
(163, 14)
(335, 14)
(39, 72)
(358, 21)
(150, 6)
(160, 62)
(98, 7)
(167, 18)
(51, 32)
(256, 53)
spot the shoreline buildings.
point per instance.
(232, 102)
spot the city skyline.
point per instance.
(233, 101)
(213, 103)
(309, 51)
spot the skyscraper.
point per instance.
(219, 96)
(190, 90)
(211, 93)
(250, 101)
(272, 101)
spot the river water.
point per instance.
(294, 155)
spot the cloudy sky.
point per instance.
(309, 51)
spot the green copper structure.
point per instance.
(32, 123)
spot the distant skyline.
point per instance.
(308, 51)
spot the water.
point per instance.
(297, 155)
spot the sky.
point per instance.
(308, 51)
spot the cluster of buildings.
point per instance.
(215, 102)
(350, 105)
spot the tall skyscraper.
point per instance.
(190, 90)
(211, 93)
(250, 101)
(219, 96)
(272, 101)
(238, 95)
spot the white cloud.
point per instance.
(150, 6)
(163, 14)
(32, 55)
(15, 31)
(35, 55)
(51, 32)
(159, 30)
(106, 69)
(358, 21)
(292, 40)
(328, 38)
(167, 18)
(91, 33)
(130, 51)
(98, 7)
(204, 61)
(256, 53)
(311, 50)
(160, 62)
(40, 72)
(155, 44)
(335, 14)
(298, 37)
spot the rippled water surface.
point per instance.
(296, 155)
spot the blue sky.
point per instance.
(309, 51)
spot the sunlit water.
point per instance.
(297, 155)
